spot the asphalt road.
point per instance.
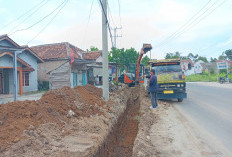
(210, 107)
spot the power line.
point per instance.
(183, 26)
(28, 16)
(39, 20)
(192, 24)
(119, 12)
(90, 13)
(19, 17)
(206, 15)
(111, 17)
(188, 25)
(48, 23)
(106, 21)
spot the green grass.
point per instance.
(205, 77)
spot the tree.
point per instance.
(228, 54)
(193, 57)
(145, 60)
(93, 48)
(204, 59)
(213, 59)
(222, 57)
(175, 55)
(122, 56)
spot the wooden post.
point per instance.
(20, 81)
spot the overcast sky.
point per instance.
(142, 21)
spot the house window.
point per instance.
(25, 78)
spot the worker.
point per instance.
(97, 81)
(153, 89)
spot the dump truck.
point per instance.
(170, 79)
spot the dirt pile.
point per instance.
(57, 107)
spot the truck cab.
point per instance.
(170, 79)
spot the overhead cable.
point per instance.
(90, 13)
(191, 23)
(119, 12)
(107, 21)
(39, 20)
(48, 23)
(19, 17)
(25, 19)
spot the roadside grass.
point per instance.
(205, 77)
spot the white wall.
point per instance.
(99, 59)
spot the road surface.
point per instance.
(209, 110)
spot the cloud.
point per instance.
(3, 10)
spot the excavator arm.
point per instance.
(144, 50)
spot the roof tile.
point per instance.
(57, 50)
(92, 55)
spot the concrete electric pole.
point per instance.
(116, 36)
(105, 51)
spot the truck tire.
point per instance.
(180, 99)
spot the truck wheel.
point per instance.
(180, 99)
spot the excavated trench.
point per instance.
(120, 141)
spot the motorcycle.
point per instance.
(221, 80)
(224, 79)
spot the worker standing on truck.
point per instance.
(153, 89)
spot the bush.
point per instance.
(212, 71)
(204, 77)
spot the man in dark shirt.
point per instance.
(153, 88)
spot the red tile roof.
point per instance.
(57, 51)
(92, 55)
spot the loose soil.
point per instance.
(165, 132)
(120, 141)
(70, 122)
(53, 107)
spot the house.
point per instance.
(57, 68)
(198, 67)
(27, 62)
(187, 66)
(96, 57)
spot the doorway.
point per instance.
(75, 79)
(83, 79)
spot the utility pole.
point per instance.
(105, 51)
(115, 35)
(15, 76)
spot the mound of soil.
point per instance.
(53, 107)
